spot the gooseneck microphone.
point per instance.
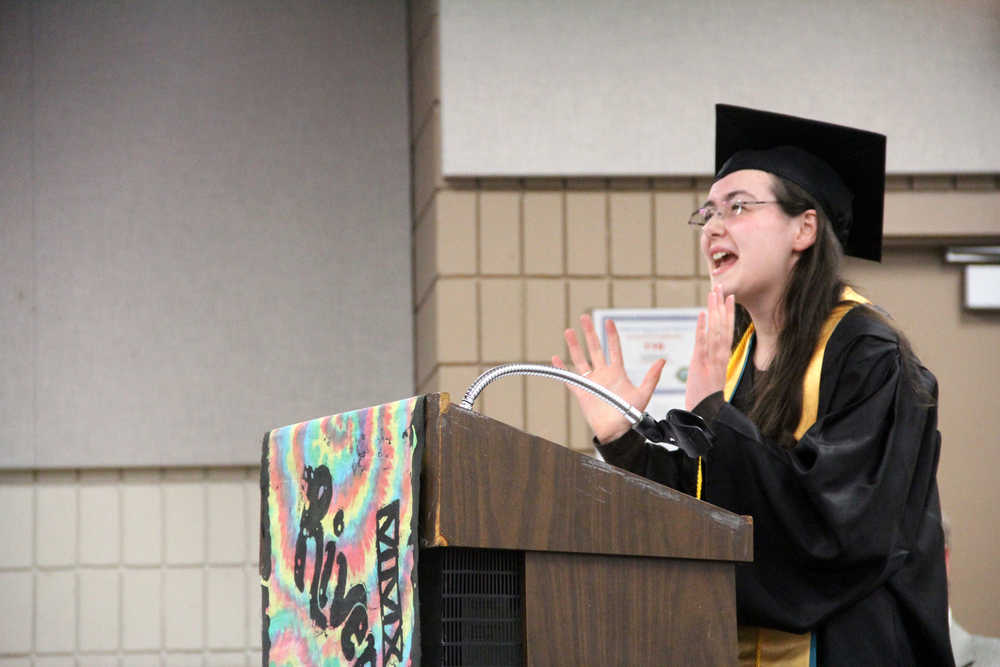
(684, 430)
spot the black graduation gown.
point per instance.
(847, 524)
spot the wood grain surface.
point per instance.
(486, 484)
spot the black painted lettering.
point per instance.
(319, 488)
(354, 630)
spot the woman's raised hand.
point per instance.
(712, 345)
(606, 421)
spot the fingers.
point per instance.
(701, 334)
(594, 350)
(710, 314)
(720, 319)
(558, 363)
(593, 344)
(730, 317)
(652, 378)
(614, 343)
(576, 352)
(717, 313)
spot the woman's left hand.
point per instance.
(712, 346)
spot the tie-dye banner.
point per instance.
(338, 538)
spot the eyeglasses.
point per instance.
(704, 215)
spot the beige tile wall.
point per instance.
(502, 272)
(502, 268)
(130, 567)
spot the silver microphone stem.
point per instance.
(633, 415)
(684, 430)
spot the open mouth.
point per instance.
(722, 259)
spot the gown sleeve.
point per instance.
(669, 467)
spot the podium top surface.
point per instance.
(487, 484)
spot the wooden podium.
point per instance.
(617, 570)
(417, 532)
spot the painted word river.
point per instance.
(338, 538)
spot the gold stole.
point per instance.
(766, 646)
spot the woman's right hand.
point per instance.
(606, 421)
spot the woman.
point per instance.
(824, 423)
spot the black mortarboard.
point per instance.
(841, 167)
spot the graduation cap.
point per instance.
(841, 167)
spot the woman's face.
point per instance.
(752, 254)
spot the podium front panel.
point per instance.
(596, 610)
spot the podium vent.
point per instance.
(472, 607)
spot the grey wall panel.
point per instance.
(221, 214)
(16, 238)
(584, 87)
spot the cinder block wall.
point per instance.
(129, 567)
(502, 268)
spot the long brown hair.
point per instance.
(812, 291)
